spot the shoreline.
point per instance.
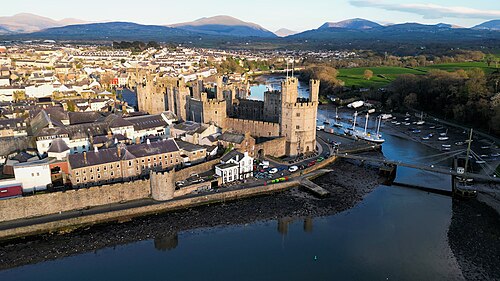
(348, 190)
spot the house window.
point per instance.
(297, 127)
(117, 165)
(298, 114)
(76, 173)
(112, 174)
(104, 168)
(98, 169)
(130, 163)
(77, 180)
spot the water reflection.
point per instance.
(284, 224)
(167, 242)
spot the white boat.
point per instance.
(375, 138)
(337, 124)
(386, 116)
(421, 122)
(320, 127)
(443, 138)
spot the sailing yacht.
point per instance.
(337, 123)
(377, 138)
(421, 122)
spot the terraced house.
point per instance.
(122, 163)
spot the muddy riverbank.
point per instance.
(474, 238)
(347, 184)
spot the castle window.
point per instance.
(216, 112)
(297, 127)
(298, 114)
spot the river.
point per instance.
(395, 233)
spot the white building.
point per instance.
(34, 175)
(235, 166)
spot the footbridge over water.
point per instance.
(430, 168)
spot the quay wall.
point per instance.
(52, 203)
(68, 225)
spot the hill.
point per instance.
(225, 26)
(360, 24)
(489, 25)
(25, 22)
(110, 31)
(283, 32)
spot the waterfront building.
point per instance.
(235, 166)
(122, 162)
(33, 175)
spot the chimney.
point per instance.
(148, 141)
(118, 149)
(116, 140)
(237, 157)
(85, 157)
(95, 149)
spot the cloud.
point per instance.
(430, 11)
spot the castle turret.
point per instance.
(314, 90)
(289, 90)
(219, 88)
(298, 117)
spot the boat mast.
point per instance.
(366, 122)
(378, 126)
(468, 150)
(354, 123)
(336, 113)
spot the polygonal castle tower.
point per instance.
(298, 117)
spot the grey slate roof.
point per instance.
(147, 122)
(110, 155)
(187, 146)
(58, 145)
(84, 117)
(187, 126)
(232, 155)
(232, 137)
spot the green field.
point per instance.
(382, 76)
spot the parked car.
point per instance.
(293, 169)
(320, 159)
(312, 163)
(273, 171)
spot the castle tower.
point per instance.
(197, 87)
(298, 118)
(219, 90)
(290, 90)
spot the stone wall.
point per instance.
(275, 147)
(255, 128)
(74, 223)
(52, 203)
(202, 167)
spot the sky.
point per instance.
(271, 14)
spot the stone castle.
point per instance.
(282, 114)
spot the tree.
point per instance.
(71, 106)
(368, 74)
(411, 100)
(19, 95)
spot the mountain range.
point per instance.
(220, 30)
(225, 26)
(26, 23)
